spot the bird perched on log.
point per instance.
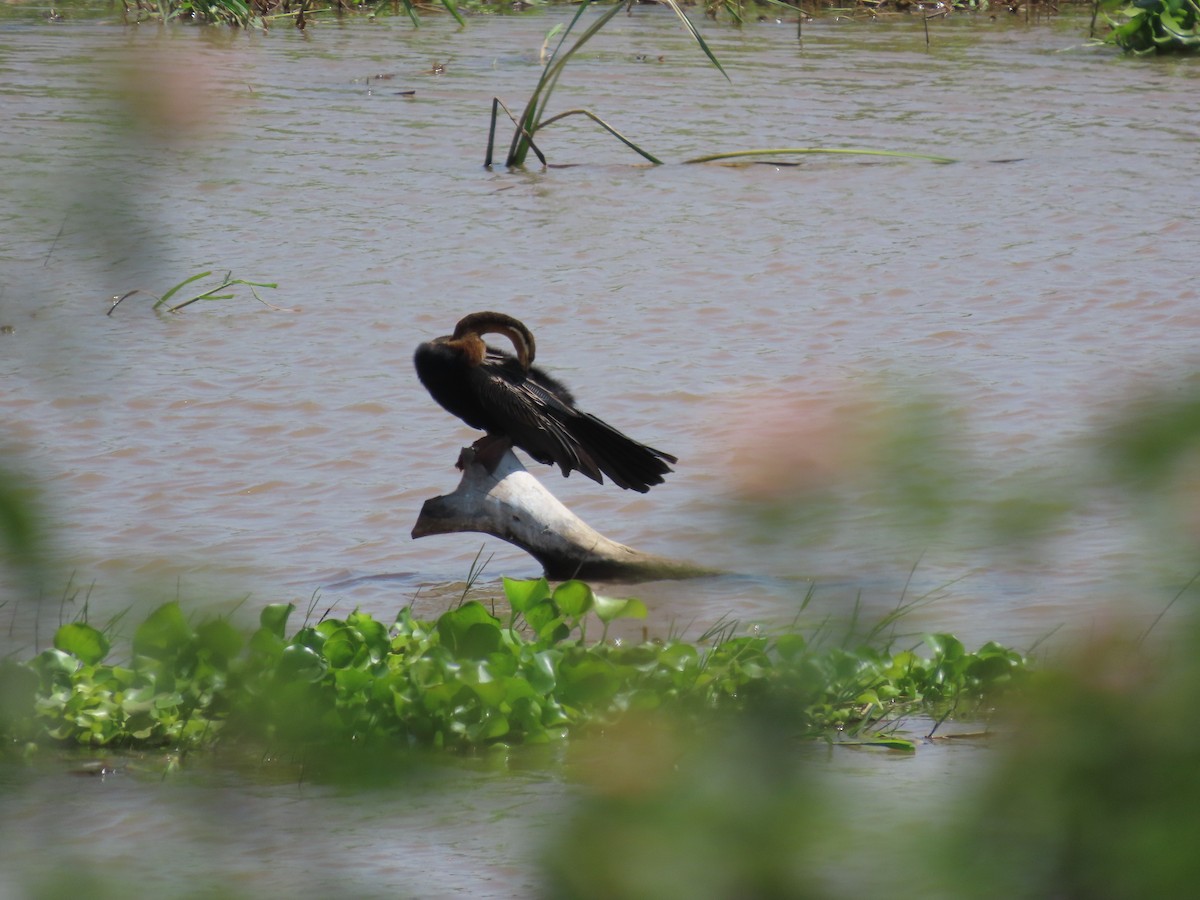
(517, 404)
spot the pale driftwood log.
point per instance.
(514, 506)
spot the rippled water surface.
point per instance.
(725, 314)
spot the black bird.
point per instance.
(516, 403)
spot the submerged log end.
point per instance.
(512, 505)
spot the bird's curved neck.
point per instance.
(467, 337)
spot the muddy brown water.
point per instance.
(732, 316)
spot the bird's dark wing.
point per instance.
(531, 408)
(539, 416)
(508, 363)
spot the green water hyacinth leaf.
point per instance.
(1157, 26)
(163, 634)
(946, 646)
(315, 638)
(168, 701)
(341, 647)
(218, 639)
(54, 667)
(352, 681)
(470, 632)
(274, 617)
(679, 657)
(372, 635)
(609, 609)
(492, 724)
(266, 645)
(584, 680)
(463, 680)
(82, 641)
(490, 693)
(522, 595)
(300, 663)
(546, 622)
(573, 598)
(791, 646)
(541, 673)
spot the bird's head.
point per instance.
(481, 323)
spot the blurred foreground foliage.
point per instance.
(467, 679)
(1095, 795)
(1086, 789)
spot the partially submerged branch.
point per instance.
(514, 506)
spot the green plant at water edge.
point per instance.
(205, 12)
(1157, 26)
(531, 120)
(451, 7)
(467, 679)
(213, 293)
(257, 13)
(1085, 791)
(1095, 796)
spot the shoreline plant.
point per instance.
(468, 679)
(533, 118)
(213, 293)
(1156, 26)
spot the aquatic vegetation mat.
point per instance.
(261, 14)
(1157, 26)
(468, 678)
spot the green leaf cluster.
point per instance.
(171, 690)
(468, 679)
(1158, 26)
(259, 14)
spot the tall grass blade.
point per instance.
(207, 295)
(173, 291)
(452, 8)
(412, 13)
(531, 117)
(687, 23)
(620, 137)
(1166, 609)
(239, 11)
(532, 146)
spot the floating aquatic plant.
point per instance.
(467, 679)
(255, 13)
(1157, 26)
(213, 293)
